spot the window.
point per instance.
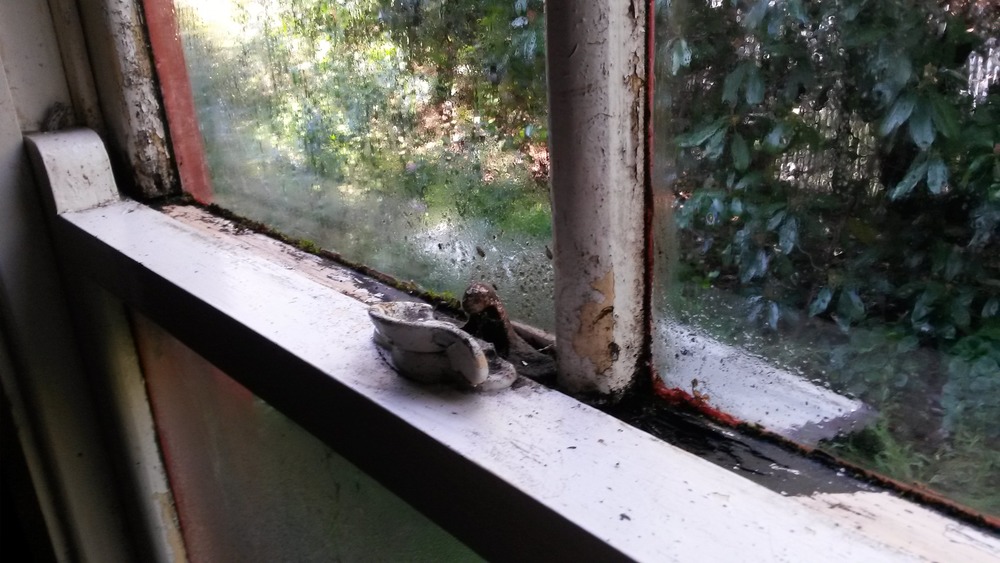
(823, 182)
(408, 136)
(531, 464)
(833, 174)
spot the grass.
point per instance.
(964, 468)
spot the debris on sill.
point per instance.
(531, 351)
(488, 321)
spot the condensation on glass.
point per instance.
(828, 188)
(251, 485)
(408, 135)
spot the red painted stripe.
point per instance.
(680, 398)
(646, 359)
(175, 87)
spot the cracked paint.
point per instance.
(595, 338)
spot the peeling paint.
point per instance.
(598, 169)
(595, 336)
(130, 97)
(175, 540)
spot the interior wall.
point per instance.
(51, 415)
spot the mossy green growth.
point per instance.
(309, 246)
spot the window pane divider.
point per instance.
(596, 63)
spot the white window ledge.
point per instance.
(527, 473)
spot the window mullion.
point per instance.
(597, 105)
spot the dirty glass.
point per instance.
(828, 192)
(407, 135)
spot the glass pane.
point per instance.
(834, 174)
(407, 135)
(251, 485)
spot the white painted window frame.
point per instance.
(528, 473)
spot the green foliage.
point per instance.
(405, 134)
(399, 97)
(891, 456)
(966, 469)
(839, 162)
(970, 396)
(486, 54)
(872, 129)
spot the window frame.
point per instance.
(509, 511)
(567, 481)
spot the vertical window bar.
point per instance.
(178, 101)
(598, 122)
(130, 99)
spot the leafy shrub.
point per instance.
(838, 163)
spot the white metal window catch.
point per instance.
(427, 350)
